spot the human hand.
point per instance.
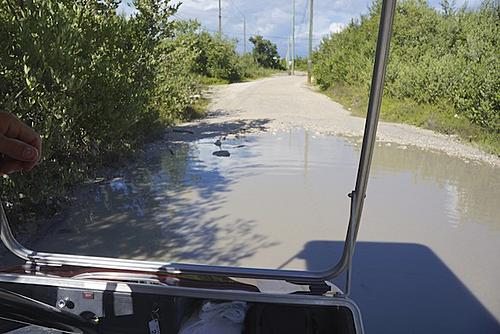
(20, 145)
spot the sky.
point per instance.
(273, 18)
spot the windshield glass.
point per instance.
(121, 173)
(229, 133)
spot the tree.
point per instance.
(265, 52)
(448, 7)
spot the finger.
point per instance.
(18, 150)
(37, 144)
(10, 166)
(16, 164)
(16, 129)
(28, 166)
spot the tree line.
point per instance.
(446, 57)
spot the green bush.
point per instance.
(448, 56)
(208, 55)
(301, 63)
(96, 85)
(250, 69)
(265, 53)
(84, 78)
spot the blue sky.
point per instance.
(273, 18)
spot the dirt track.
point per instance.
(282, 101)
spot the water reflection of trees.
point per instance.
(475, 186)
(162, 207)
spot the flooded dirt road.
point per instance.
(287, 101)
(427, 257)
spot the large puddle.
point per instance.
(258, 207)
(429, 239)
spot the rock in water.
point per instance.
(221, 153)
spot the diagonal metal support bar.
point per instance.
(370, 134)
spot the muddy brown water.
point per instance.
(427, 257)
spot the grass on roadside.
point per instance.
(260, 73)
(210, 81)
(441, 118)
(252, 74)
(198, 109)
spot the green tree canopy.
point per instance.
(265, 52)
(448, 56)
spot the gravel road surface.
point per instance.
(281, 102)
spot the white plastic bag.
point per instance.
(216, 318)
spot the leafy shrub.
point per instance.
(96, 85)
(84, 78)
(265, 52)
(448, 56)
(208, 55)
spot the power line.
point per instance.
(309, 55)
(220, 18)
(293, 37)
(236, 7)
(244, 26)
(304, 13)
(181, 17)
(286, 37)
(302, 26)
(264, 36)
(243, 35)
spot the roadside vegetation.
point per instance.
(443, 72)
(97, 85)
(301, 64)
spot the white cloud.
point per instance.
(126, 8)
(336, 27)
(203, 5)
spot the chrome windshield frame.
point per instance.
(357, 200)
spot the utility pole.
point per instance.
(293, 37)
(309, 60)
(288, 55)
(244, 35)
(220, 19)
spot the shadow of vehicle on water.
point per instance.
(405, 288)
